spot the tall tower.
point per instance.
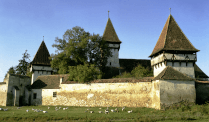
(41, 63)
(173, 49)
(113, 41)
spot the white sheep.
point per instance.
(100, 108)
(45, 112)
(123, 108)
(100, 111)
(106, 112)
(1, 109)
(60, 107)
(67, 108)
(64, 108)
(27, 110)
(91, 112)
(33, 109)
(48, 107)
(130, 111)
(112, 110)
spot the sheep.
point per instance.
(60, 107)
(123, 108)
(130, 111)
(1, 109)
(116, 110)
(87, 109)
(6, 109)
(45, 112)
(64, 108)
(18, 107)
(91, 112)
(100, 111)
(100, 108)
(106, 112)
(33, 109)
(67, 108)
(27, 110)
(112, 110)
(48, 107)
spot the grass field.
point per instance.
(196, 113)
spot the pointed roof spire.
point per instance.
(42, 55)
(109, 33)
(172, 38)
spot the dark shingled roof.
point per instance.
(172, 38)
(109, 33)
(48, 81)
(42, 55)
(169, 73)
(2, 83)
(199, 73)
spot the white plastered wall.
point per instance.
(158, 69)
(185, 69)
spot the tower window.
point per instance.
(54, 94)
(110, 63)
(34, 95)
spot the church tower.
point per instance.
(113, 41)
(41, 63)
(173, 49)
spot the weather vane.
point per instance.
(170, 10)
(43, 38)
(108, 14)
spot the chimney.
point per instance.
(61, 80)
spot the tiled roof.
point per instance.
(199, 73)
(109, 33)
(116, 80)
(20, 76)
(48, 81)
(172, 38)
(2, 83)
(169, 73)
(42, 55)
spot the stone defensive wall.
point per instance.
(103, 92)
(202, 91)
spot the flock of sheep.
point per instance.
(56, 109)
(107, 110)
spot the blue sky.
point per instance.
(138, 24)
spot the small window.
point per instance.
(110, 63)
(34, 95)
(54, 94)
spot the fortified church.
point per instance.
(176, 77)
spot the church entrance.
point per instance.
(21, 101)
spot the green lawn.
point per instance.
(196, 113)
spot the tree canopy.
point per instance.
(79, 48)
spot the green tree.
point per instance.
(140, 71)
(78, 48)
(84, 73)
(22, 67)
